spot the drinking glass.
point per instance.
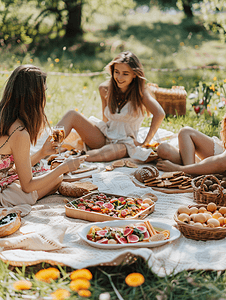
(58, 135)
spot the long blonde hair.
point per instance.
(134, 94)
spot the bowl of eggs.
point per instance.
(202, 222)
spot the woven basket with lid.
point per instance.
(173, 100)
(202, 196)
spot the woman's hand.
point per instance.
(74, 163)
(136, 143)
(49, 147)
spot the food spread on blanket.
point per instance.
(133, 233)
(149, 176)
(120, 207)
(209, 216)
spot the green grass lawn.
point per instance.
(161, 41)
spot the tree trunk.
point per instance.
(187, 6)
(73, 27)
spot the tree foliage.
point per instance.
(26, 20)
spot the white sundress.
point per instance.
(123, 128)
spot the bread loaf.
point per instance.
(145, 173)
(76, 189)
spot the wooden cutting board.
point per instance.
(172, 191)
(163, 190)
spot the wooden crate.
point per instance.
(173, 100)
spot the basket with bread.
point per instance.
(202, 222)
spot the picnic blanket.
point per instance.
(48, 235)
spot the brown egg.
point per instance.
(184, 217)
(222, 210)
(200, 218)
(217, 215)
(194, 210)
(211, 207)
(192, 217)
(202, 209)
(208, 216)
(213, 222)
(224, 220)
(184, 209)
(198, 225)
(191, 222)
(221, 220)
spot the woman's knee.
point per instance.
(185, 131)
(163, 150)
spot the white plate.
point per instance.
(174, 234)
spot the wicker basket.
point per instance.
(200, 234)
(173, 100)
(204, 197)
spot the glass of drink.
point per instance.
(58, 135)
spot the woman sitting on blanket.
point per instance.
(22, 119)
(124, 101)
(192, 144)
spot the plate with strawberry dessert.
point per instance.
(128, 233)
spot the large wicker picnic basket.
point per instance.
(203, 196)
(173, 100)
(201, 234)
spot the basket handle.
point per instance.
(220, 188)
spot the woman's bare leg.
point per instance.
(107, 153)
(169, 152)
(90, 134)
(50, 188)
(191, 143)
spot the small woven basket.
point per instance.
(200, 234)
(173, 100)
(205, 197)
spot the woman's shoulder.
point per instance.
(103, 88)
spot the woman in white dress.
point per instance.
(124, 101)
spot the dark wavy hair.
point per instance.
(134, 94)
(24, 99)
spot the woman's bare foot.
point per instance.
(168, 166)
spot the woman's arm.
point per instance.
(103, 94)
(47, 149)
(20, 145)
(210, 165)
(158, 115)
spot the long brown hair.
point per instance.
(134, 94)
(24, 99)
(223, 131)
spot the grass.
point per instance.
(161, 41)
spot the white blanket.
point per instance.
(48, 235)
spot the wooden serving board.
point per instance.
(172, 191)
(163, 189)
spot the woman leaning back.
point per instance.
(193, 144)
(124, 101)
(22, 119)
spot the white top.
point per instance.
(123, 128)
